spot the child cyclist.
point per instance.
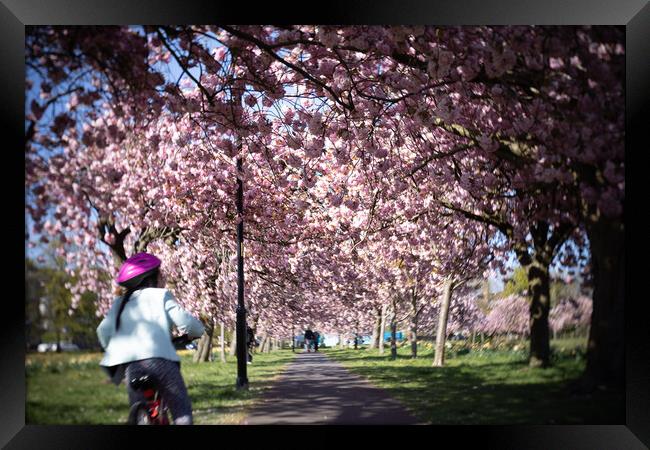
(136, 335)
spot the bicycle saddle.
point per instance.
(142, 383)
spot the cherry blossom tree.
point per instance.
(347, 135)
(571, 313)
(508, 315)
(553, 85)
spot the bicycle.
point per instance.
(152, 410)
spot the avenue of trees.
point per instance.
(384, 169)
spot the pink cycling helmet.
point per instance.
(137, 268)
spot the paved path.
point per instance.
(317, 390)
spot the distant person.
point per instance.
(250, 344)
(316, 339)
(309, 339)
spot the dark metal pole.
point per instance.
(242, 378)
(241, 348)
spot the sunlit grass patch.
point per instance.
(71, 388)
(486, 386)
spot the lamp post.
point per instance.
(242, 377)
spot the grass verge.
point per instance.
(490, 386)
(70, 388)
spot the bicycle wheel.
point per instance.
(139, 414)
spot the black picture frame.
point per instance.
(16, 14)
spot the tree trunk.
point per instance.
(382, 330)
(546, 241)
(414, 327)
(356, 334)
(208, 351)
(204, 349)
(605, 349)
(213, 345)
(393, 331)
(374, 342)
(538, 281)
(199, 351)
(439, 357)
(222, 342)
(233, 341)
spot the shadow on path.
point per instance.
(316, 390)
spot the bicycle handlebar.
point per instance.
(181, 341)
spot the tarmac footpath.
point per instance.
(315, 390)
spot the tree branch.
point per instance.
(263, 46)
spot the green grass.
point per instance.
(484, 385)
(489, 386)
(71, 388)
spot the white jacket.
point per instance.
(145, 330)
